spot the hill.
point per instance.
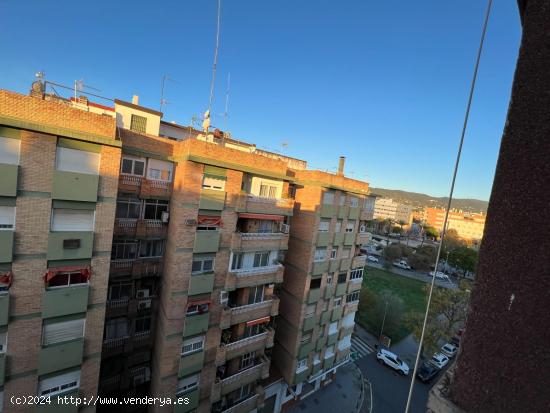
(423, 200)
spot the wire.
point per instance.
(459, 152)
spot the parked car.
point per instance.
(372, 258)
(440, 275)
(440, 360)
(427, 371)
(455, 341)
(449, 350)
(402, 264)
(390, 359)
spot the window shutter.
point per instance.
(64, 331)
(9, 150)
(72, 220)
(74, 160)
(7, 217)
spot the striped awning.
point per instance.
(262, 216)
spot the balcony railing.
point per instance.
(260, 205)
(125, 227)
(151, 188)
(245, 341)
(245, 345)
(245, 405)
(249, 312)
(253, 241)
(248, 277)
(359, 261)
(137, 267)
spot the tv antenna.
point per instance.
(227, 101)
(80, 86)
(162, 84)
(213, 81)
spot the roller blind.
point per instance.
(74, 160)
(58, 384)
(72, 220)
(63, 331)
(7, 217)
(9, 150)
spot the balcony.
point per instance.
(117, 308)
(313, 295)
(116, 345)
(363, 238)
(354, 212)
(359, 261)
(193, 397)
(196, 324)
(212, 200)
(151, 188)
(319, 267)
(142, 339)
(69, 245)
(244, 406)
(236, 315)
(249, 277)
(125, 227)
(61, 301)
(201, 283)
(4, 308)
(259, 241)
(109, 384)
(74, 186)
(246, 345)
(351, 307)
(2, 368)
(129, 184)
(8, 184)
(6, 246)
(206, 241)
(259, 205)
(60, 356)
(243, 377)
(327, 211)
(137, 268)
(191, 363)
(354, 285)
(151, 228)
(349, 238)
(323, 239)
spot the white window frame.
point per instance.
(202, 260)
(59, 225)
(354, 297)
(134, 160)
(328, 198)
(356, 274)
(247, 360)
(62, 153)
(333, 328)
(66, 331)
(334, 253)
(310, 310)
(337, 302)
(329, 352)
(159, 166)
(350, 226)
(194, 344)
(188, 384)
(69, 283)
(354, 202)
(338, 226)
(10, 150)
(7, 212)
(301, 365)
(62, 383)
(215, 184)
(318, 252)
(324, 225)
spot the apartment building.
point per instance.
(387, 208)
(467, 225)
(136, 264)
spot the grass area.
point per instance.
(408, 289)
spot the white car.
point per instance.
(372, 258)
(440, 360)
(449, 350)
(402, 264)
(440, 275)
(390, 359)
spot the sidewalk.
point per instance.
(343, 395)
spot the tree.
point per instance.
(431, 232)
(392, 305)
(397, 230)
(392, 253)
(464, 258)
(451, 241)
(447, 314)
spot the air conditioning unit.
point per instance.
(165, 217)
(145, 304)
(142, 293)
(190, 222)
(285, 228)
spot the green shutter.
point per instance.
(79, 145)
(210, 213)
(215, 172)
(69, 263)
(10, 132)
(90, 206)
(69, 317)
(7, 201)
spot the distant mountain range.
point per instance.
(422, 200)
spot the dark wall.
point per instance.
(504, 365)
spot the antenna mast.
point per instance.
(227, 100)
(215, 57)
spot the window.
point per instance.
(7, 218)
(116, 328)
(342, 199)
(59, 384)
(254, 330)
(328, 198)
(128, 206)
(151, 248)
(329, 279)
(344, 343)
(143, 324)
(210, 182)
(316, 359)
(237, 261)
(3, 343)
(342, 277)
(72, 220)
(159, 170)
(256, 294)
(320, 254)
(193, 309)
(354, 202)
(337, 302)
(261, 259)
(247, 360)
(9, 150)
(350, 226)
(315, 283)
(301, 365)
(202, 264)
(138, 123)
(132, 166)
(154, 208)
(348, 320)
(64, 279)
(120, 291)
(333, 328)
(356, 274)
(338, 226)
(329, 352)
(346, 252)
(268, 191)
(62, 331)
(192, 345)
(325, 307)
(74, 160)
(324, 225)
(124, 250)
(333, 253)
(306, 338)
(354, 296)
(310, 310)
(188, 384)
(266, 227)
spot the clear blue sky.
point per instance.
(382, 82)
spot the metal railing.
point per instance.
(119, 303)
(245, 308)
(241, 403)
(244, 272)
(243, 342)
(262, 235)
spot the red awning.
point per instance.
(209, 220)
(262, 216)
(198, 301)
(52, 272)
(6, 278)
(262, 320)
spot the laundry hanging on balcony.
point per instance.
(84, 273)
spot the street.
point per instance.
(420, 276)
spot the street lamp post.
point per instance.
(383, 322)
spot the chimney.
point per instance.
(341, 164)
(135, 100)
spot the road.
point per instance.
(389, 389)
(421, 276)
